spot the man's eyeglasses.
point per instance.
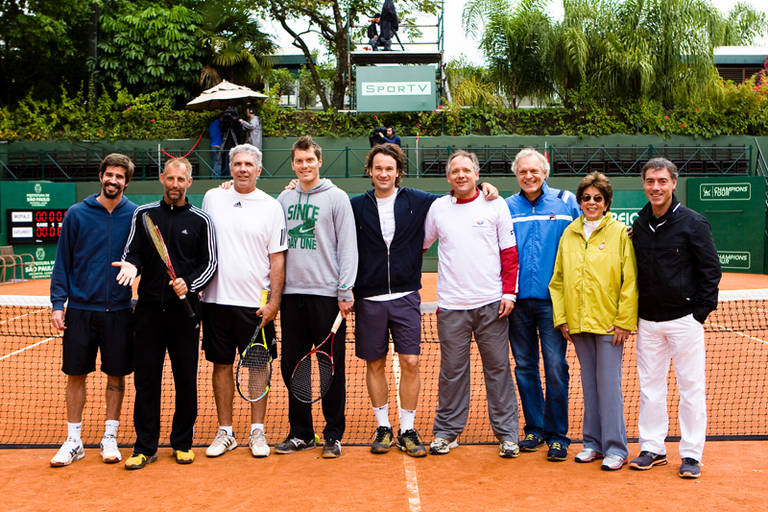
(596, 198)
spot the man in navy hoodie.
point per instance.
(98, 313)
(390, 232)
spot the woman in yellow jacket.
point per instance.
(594, 299)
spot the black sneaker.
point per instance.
(690, 468)
(331, 448)
(557, 452)
(531, 443)
(410, 443)
(646, 460)
(294, 444)
(382, 440)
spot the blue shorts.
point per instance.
(375, 321)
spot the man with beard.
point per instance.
(161, 321)
(99, 311)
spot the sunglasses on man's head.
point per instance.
(596, 198)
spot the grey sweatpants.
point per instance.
(455, 328)
(600, 361)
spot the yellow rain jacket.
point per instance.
(594, 284)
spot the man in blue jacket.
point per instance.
(390, 233)
(98, 315)
(540, 214)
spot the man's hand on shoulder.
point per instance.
(489, 191)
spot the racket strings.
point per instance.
(312, 377)
(256, 372)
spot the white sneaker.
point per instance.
(110, 454)
(258, 444)
(69, 452)
(221, 444)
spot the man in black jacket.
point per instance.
(678, 272)
(160, 320)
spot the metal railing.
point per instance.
(349, 161)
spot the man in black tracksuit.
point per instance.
(160, 319)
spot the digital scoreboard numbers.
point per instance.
(35, 226)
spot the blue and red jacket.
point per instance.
(538, 228)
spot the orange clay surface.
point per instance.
(735, 475)
(470, 478)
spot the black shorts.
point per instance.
(87, 332)
(229, 329)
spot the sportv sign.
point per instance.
(396, 88)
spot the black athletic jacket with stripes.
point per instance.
(189, 236)
(678, 269)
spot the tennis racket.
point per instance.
(254, 369)
(157, 240)
(311, 379)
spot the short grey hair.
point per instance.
(529, 151)
(660, 163)
(245, 148)
(460, 152)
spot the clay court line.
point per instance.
(411, 479)
(741, 334)
(46, 340)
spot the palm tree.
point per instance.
(236, 49)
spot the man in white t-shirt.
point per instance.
(476, 287)
(251, 237)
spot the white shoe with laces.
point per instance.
(71, 451)
(110, 453)
(221, 444)
(258, 444)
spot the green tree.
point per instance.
(43, 44)
(235, 47)
(150, 47)
(331, 21)
(515, 42)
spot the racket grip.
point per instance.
(337, 323)
(187, 306)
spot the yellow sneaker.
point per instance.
(184, 457)
(139, 460)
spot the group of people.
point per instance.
(543, 268)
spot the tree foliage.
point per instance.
(331, 20)
(43, 44)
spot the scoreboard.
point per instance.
(35, 225)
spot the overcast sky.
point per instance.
(456, 43)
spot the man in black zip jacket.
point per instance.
(161, 322)
(390, 232)
(678, 272)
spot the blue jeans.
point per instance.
(530, 321)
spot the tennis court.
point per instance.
(472, 477)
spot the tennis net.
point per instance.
(32, 409)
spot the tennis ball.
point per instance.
(317, 438)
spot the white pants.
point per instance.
(682, 341)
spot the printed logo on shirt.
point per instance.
(184, 231)
(237, 205)
(481, 223)
(302, 236)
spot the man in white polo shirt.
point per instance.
(251, 239)
(476, 287)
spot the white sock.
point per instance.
(382, 415)
(227, 429)
(257, 426)
(406, 419)
(110, 428)
(73, 431)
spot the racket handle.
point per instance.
(337, 323)
(264, 297)
(187, 306)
